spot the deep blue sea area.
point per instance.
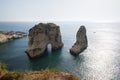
(100, 61)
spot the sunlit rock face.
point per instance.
(81, 41)
(48, 75)
(6, 36)
(40, 36)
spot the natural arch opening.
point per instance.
(49, 48)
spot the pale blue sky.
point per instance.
(60, 10)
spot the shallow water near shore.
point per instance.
(100, 61)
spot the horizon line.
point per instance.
(65, 21)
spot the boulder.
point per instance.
(3, 38)
(81, 41)
(40, 36)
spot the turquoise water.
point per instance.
(100, 61)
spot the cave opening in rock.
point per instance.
(49, 48)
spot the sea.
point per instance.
(100, 61)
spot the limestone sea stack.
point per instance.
(40, 36)
(81, 41)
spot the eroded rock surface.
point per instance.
(47, 75)
(40, 36)
(6, 36)
(81, 41)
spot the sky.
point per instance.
(60, 10)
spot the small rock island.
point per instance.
(81, 41)
(6, 36)
(40, 36)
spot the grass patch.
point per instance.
(8, 75)
(11, 76)
(3, 69)
(54, 70)
(3, 66)
(51, 69)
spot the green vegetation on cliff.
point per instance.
(7, 75)
(48, 74)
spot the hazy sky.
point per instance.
(60, 10)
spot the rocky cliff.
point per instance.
(35, 75)
(48, 75)
(40, 36)
(81, 41)
(7, 36)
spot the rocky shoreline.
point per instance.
(6, 36)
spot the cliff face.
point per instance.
(7, 36)
(34, 75)
(81, 41)
(40, 36)
(48, 75)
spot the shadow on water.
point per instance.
(51, 59)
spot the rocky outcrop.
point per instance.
(48, 75)
(37, 75)
(7, 36)
(40, 36)
(81, 41)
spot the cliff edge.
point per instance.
(34, 75)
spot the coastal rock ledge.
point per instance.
(6, 36)
(40, 36)
(81, 41)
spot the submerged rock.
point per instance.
(40, 36)
(7, 36)
(81, 41)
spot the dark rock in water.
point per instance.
(7, 36)
(40, 36)
(81, 41)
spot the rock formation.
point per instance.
(81, 41)
(48, 74)
(7, 36)
(40, 36)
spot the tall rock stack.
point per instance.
(81, 41)
(40, 36)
